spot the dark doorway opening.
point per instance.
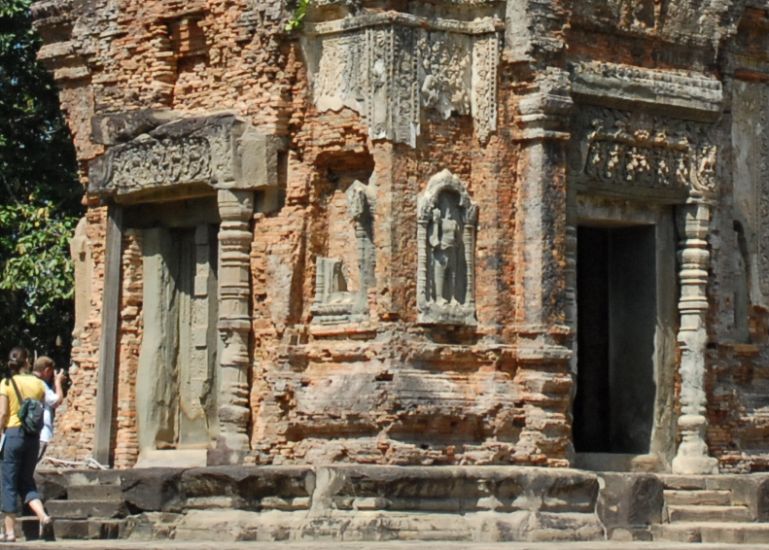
(617, 310)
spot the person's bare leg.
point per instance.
(37, 508)
(10, 526)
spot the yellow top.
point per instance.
(30, 386)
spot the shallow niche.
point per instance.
(345, 257)
(446, 227)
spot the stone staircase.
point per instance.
(90, 511)
(696, 511)
(437, 503)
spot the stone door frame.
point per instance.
(593, 210)
(180, 159)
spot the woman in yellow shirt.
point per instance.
(19, 447)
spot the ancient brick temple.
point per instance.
(467, 232)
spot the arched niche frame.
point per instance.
(447, 220)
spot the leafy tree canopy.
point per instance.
(39, 196)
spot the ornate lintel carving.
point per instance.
(222, 151)
(637, 150)
(389, 67)
(446, 226)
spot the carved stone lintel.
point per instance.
(446, 226)
(235, 236)
(624, 150)
(334, 303)
(221, 150)
(692, 456)
(389, 69)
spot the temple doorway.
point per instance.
(176, 378)
(614, 407)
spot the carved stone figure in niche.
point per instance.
(341, 295)
(446, 252)
(445, 246)
(82, 261)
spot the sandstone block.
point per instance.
(152, 489)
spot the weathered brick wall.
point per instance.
(738, 377)
(75, 417)
(126, 445)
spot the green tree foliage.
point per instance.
(297, 18)
(39, 195)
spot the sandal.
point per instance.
(9, 538)
(46, 528)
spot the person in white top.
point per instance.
(45, 369)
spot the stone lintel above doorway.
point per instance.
(683, 94)
(175, 158)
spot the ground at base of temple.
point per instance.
(438, 545)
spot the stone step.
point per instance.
(94, 492)
(27, 527)
(683, 482)
(708, 513)
(698, 497)
(713, 532)
(89, 528)
(84, 509)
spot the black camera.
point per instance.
(66, 381)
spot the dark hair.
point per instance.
(17, 359)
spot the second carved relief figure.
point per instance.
(446, 223)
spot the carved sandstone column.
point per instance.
(235, 209)
(543, 375)
(692, 456)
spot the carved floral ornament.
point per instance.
(446, 231)
(222, 151)
(636, 150)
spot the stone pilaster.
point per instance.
(692, 456)
(542, 200)
(235, 236)
(541, 251)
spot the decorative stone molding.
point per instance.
(616, 85)
(691, 23)
(619, 149)
(389, 66)
(221, 151)
(544, 114)
(446, 227)
(333, 302)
